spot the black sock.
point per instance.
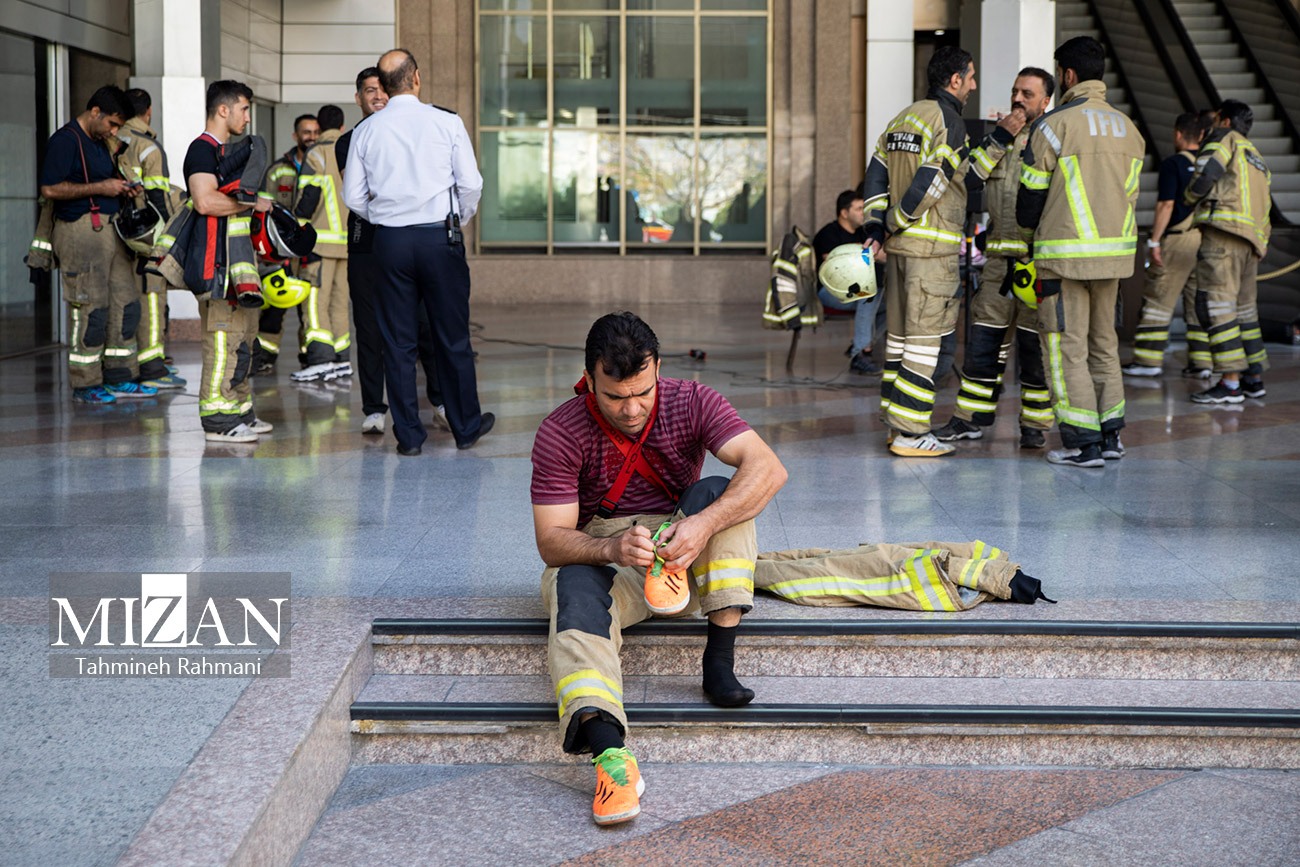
(601, 735)
(720, 684)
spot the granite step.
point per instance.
(884, 647)
(871, 720)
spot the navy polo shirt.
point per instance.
(63, 163)
(1175, 174)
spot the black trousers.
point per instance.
(417, 266)
(363, 284)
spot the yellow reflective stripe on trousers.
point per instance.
(913, 390)
(927, 584)
(842, 585)
(314, 331)
(342, 343)
(76, 357)
(1116, 411)
(214, 403)
(586, 683)
(973, 405)
(726, 575)
(1065, 413)
(38, 244)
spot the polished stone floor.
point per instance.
(1199, 520)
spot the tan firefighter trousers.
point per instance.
(1164, 283)
(922, 576)
(591, 605)
(326, 311)
(103, 300)
(225, 389)
(921, 305)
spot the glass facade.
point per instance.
(623, 126)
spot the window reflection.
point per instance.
(587, 191)
(661, 71)
(512, 67)
(733, 188)
(586, 71)
(660, 179)
(513, 207)
(733, 72)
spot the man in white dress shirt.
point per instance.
(412, 174)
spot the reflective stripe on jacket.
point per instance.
(330, 217)
(1079, 187)
(1231, 188)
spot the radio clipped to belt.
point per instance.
(452, 222)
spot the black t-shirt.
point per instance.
(833, 235)
(63, 163)
(1175, 174)
(201, 158)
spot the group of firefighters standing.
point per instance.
(1061, 189)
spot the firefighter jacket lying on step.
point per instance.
(213, 255)
(1079, 187)
(918, 181)
(923, 576)
(1231, 188)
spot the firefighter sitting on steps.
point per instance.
(916, 193)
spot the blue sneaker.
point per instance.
(130, 390)
(163, 383)
(93, 394)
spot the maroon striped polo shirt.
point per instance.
(573, 459)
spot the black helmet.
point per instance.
(136, 226)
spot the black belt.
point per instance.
(441, 227)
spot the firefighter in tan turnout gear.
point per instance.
(916, 195)
(1078, 190)
(1000, 318)
(1231, 192)
(320, 202)
(144, 162)
(282, 183)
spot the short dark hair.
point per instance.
(401, 78)
(1084, 55)
(948, 61)
(139, 99)
(1238, 114)
(368, 72)
(620, 343)
(226, 92)
(300, 118)
(330, 117)
(1049, 80)
(845, 200)
(1191, 125)
(110, 99)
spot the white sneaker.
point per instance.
(1134, 368)
(315, 371)
(440, 417)
(240, 433)
(374, 423)
(341, 368)
(924, 446)
(261, 427)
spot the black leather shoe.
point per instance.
(485, 425)
(412, 452)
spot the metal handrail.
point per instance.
(1192, 54)
(1289, 14)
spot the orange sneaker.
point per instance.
(618, 787)
(665, 592)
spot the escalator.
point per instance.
(1166, 57)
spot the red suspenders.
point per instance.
(634, 461)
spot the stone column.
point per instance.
(170, 37)
(888, 65)
(1013, 34)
